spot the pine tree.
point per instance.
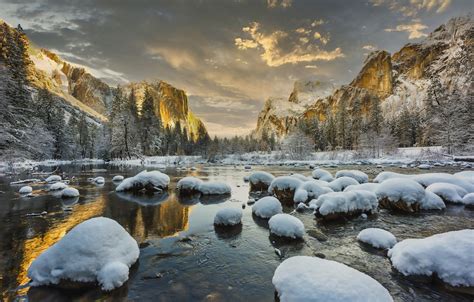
(150, 121)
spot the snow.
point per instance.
(285, 225)
(214, 188)
(424, 167)
(25, 190)
(69, 192)
(309, 190)
(448, 192)
(322, 174)
(431, 201)
(378, 238)
(468, 199)
(467, 175)
(370, 186)
(449, 255)
(345, 202)
(339, 184)
(383, 176)
(53, 178)
(98, 249)
(431, 178)
(117, 178)
(284, 182)
(300, 176)
(98, 180)
(189, 184)
(228, 217)
(57, 186)
(261, 176)
(312, 279)
(360, 176)
(266, 207)
(153, 180)
(406, 190)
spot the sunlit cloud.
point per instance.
(411, 8)
(279, 3)
(369, 47)
(414, 30)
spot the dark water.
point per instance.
(183, 258)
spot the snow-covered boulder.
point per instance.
(339, 184)
(286, 225)
(152, 181)
(338, 205)
(25, 190)
(448, 192)
(188, 185)
(468, 200)
(424, 166)
(260, 181)
(214, 188)
(322, 174)
(117, 178)
(57, 186)
(53, 178)
(466, 175)
(309, 190)
(401, 194)
(96, 250)
(69, 192)
(431, 201)
(430, 178)
(448, 255)
(377, 238)
(312, 279)
(383, 176)
(266, 207)
(98, 180)
(284, 187)
(228, 217)
(360, 176)
(300, 176)
(370, 186)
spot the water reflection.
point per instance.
(144, 199)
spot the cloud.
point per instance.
(411, 8)
(370, 47)
(320, 37)
(279, 47)
(311, 67)
(279, 3)
(317, 22)
(415, 30)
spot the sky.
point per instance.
(229, 56)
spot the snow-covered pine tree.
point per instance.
(150, 123)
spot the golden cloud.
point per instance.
(411, 8)
(415, 30)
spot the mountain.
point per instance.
(396, 82)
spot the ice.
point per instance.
(266, 207)
(149, 181)
(25, 190)
(311, 279)
(98, 249)
(377, 238)
(285, 225)
(309, 190)
(322, 174)
(448, 255)
(69, 192)
(228, 217)
(448, 192)
(360, 176)
(339, 184)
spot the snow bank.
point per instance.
(360, 176)
(339, 184)
(228, 217)
(25, 190)
(311, 279)
(260, 181)
(401, 194)
(309, 190)
(214, 188)
(449, 255)
(378, 238)
(285, 225)
(448, 192)
(117, 178)
(341, 204)
(149, 181)
(98, 249)
(266, 207)
(188, 184)
(370, 186)
(57, 186)
(69, 192)
(322, 174)
(53, 178)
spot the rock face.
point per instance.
(397, 81)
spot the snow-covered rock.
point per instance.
(300, 176)
(117, 178)
(53, 178)
(69, 192)
(401, 194)
(377, 238)
(309, 190)
(260, 181)
(322, 174)
(383, 176)
(149, 181)
(228, 217)
(266, 207)
(98, 249)
(25, 190)
(57, 186)
(188, 185)
(431, 201)
(312, 279)
(424, 167)
(466, 175)
(214, 188)
(448, 192)
(284, 187)
(468, 200)
(285, 225)
(360, 176)
(338, 205)
(98, 180)
(339, 184)
(370, 186)
(448, 255)
(431, 178)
